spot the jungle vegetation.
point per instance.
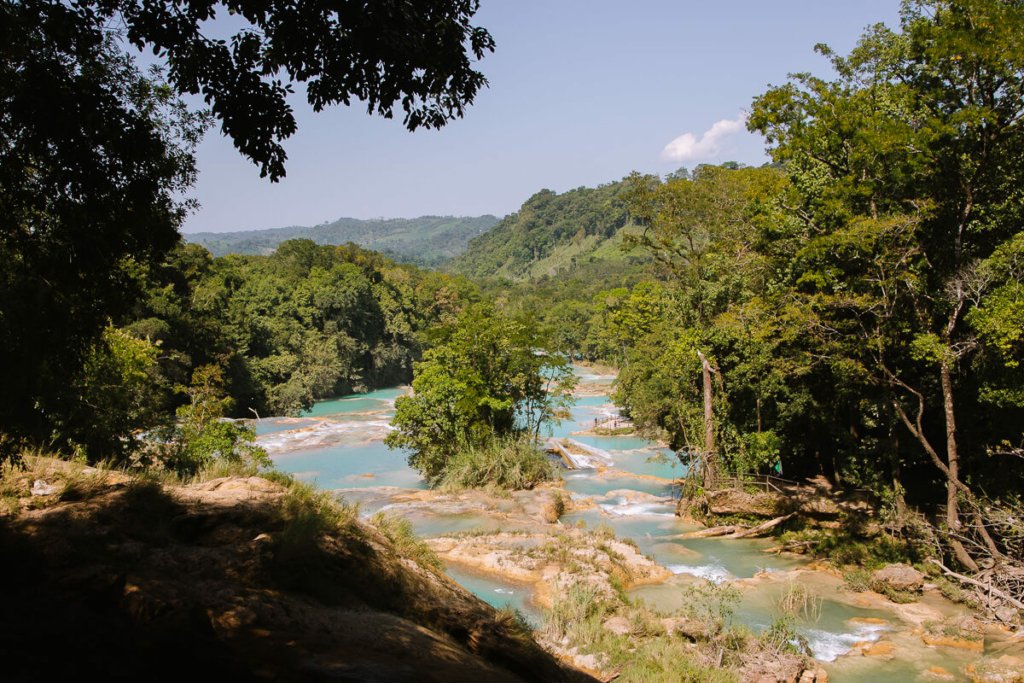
(96, 160)
(853, 309)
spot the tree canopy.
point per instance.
(414, 56)
(909, 167)
(93, 160)
(857, 302)
(96, 158)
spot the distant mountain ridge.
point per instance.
(425, 241)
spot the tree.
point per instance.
(202, 435)
(909, 166)
(485, 380)
(92, 157)
(702, 231)
(622, 316)
(95, 157)
(112, 399)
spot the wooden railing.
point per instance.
(770, 482)
(766, 481)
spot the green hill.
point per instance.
(553, 234)
(424, 241)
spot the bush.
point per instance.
(203, 440)
(476, 390)
(859, 580)
(842, 547)
(307, 515)
(781, 638)
(646, 654)
(712, 605)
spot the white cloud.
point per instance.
(687, 148)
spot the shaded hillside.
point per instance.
(424, 241)
(552, 233)
(238, 578)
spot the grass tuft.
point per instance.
(399, 531)
(800, 602)
(83, 483)
(510, 464)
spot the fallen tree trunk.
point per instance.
(761, 528)
(716, 531)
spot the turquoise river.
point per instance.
(338, 446)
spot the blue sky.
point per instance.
(581, 92)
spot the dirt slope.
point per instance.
(233, 578)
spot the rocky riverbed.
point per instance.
(616, 528)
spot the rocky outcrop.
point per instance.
(883, 649)
(814, 501)
(729, 502)
(962, 633)
(813, 675)
(552, 559)
(541, 505)
(784, 668)
(899, 577)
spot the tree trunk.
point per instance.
(710, 470)
(953, 466)
(897, 481)
(952, 459)
(950, 468)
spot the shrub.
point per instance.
(858, 580)
(203, 438)
(782, 638)
(711, 605)
(513, 622)
(308, 514)
(843, 547)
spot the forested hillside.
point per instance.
(553, 234)
(248, 335)
(424, 241)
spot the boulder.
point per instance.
(41, 488)
(883, 649)
(958, 642)
(899, 577)
(685, 627)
